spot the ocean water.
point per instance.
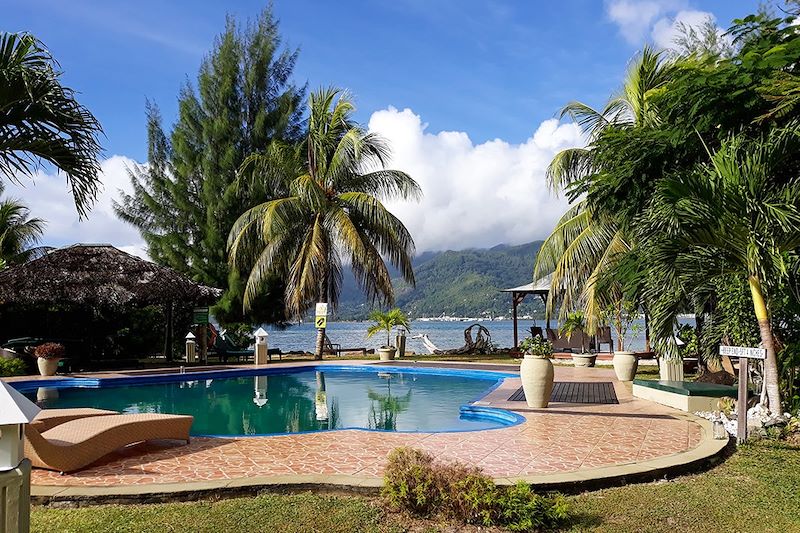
(445, 335)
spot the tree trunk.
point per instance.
(647, 346)
(320, 344)
(771, 375)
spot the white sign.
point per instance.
(322, 309)
(742, 351)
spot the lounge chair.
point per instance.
(73, 445)
(50, 418)
(574, 344)
(333, 348)
(224, 349)
(604, 337)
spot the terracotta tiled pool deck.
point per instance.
(563, 443)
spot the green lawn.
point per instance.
(757, 489)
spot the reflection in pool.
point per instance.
(294, 401)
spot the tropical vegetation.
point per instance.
(387, 321)
(680, 204)
(186, 198)
(329, 191)
(42, 122)
(19, 233)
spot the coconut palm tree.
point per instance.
(330, 189)
(41, 121)
(18, 233)
(733, 217)
(585, 243)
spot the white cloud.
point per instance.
(635, 17)
(49, 198)
(666, 29)
(656, 20)
(474, 195)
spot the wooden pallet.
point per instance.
(576, 392)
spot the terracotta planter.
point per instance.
(583, 359)
(625, 365)
(47, 367)
(536, 374)
(386, 353)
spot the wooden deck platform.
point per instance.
(601, 392)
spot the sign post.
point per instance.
(744, 354)
(321, 316)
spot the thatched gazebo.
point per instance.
(100, 276)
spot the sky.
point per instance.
(466, 91)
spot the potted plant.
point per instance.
(386, 321)
(621, 316)
(47, 357)
(576, 322)
(536, 371)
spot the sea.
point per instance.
(444, 334)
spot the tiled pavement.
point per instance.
(560, 439)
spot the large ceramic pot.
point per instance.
(583, 359)
(386, 353)
(625, 365)
(47, 367)
(536, 374)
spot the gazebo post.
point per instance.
(516, 298)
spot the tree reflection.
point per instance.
(385, 408)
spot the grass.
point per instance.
(757, 489)
(754, 490)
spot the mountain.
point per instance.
(456, 283)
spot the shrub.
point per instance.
(521, 509)
(12, 367)
(415, 482)
(49, 350)
(410, 481)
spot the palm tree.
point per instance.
(386, 321)
(586, 243)
(40, 120)
(734, 217)
(18, 233)
(330, 189)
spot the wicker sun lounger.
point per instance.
(73, 445)
(50, 418)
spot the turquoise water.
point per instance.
(293, 402)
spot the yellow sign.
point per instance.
(320, 322)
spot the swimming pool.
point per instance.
(291, 400)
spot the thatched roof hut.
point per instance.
(88, 295)
(98, 275)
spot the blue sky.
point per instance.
(487, 70)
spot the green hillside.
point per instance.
(458, 283)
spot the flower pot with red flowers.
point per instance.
(47, 357)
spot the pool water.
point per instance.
(296, 401)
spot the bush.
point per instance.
(410, 481)
(12, 367)
(415, 482)
(521, 509)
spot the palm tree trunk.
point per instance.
(771, 375)
(320, 345)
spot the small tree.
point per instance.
(386, 321)
(621, 315)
